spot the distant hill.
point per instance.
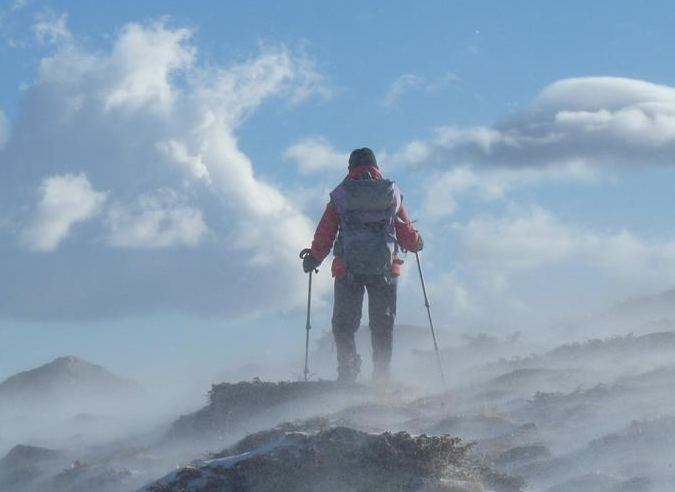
(663, 300)
(26, 456)
(640, 315)
(64, 378)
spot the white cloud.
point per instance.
(410, 81)
(159, 220)
(317, 155)
(442, 82)
(453, 294)
(529, 266)
(308, 82)
(143, 117)
(400, 86)
(239, 90)
(584, 130)
(446, 189)
(603, 122)
(52, 28)
(142, 63)
(575, 130)
(20, 4)
(535, 239)
(518, 243)
(193, 164)
(64, 201)
(413, 153)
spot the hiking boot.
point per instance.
(348, 372)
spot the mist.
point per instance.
(578, 414)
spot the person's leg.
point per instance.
(382, 313)
(347, 306)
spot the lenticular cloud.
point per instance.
(594, 122)
(123, 190)
(575, 130)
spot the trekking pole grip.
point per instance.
(303, 254)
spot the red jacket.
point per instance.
(327, 230)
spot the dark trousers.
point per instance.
(347, 308)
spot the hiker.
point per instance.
(367, 216)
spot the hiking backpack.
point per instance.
(367, 235)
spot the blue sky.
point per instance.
(161, 163)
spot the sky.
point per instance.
(163, 163)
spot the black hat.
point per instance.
(362, 157)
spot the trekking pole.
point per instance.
(308, 326)
(431, 322)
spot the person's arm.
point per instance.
(325, 232)
(406, 234)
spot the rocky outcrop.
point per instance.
(231, 405)
(340, 460)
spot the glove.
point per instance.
(309, 263)
(420, 244)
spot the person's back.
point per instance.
(367, 237)
(364, 223)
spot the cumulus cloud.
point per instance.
(142, 63)
(187, 224)
(192, 164)
(159, 220)
(64, 201)
(317, 155)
